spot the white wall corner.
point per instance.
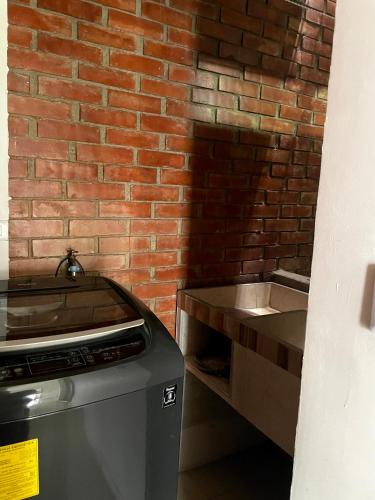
(4, 196)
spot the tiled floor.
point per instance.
(262, 473)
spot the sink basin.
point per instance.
(254, 299)
(270, 309)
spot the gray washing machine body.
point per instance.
(106, 411)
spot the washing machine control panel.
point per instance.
(14, 368)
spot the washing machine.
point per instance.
(91, 390)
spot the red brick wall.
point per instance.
(171, 142)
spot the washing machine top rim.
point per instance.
(47, 312)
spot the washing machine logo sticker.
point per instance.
(170, 395)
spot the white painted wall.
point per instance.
(4, 259)
(335, 450)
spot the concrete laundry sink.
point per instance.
(265, 324)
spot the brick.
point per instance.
(124, 209)
(63, 209)
(103, 262)
(188, 75)
(315, 76)
(221, 66)
(69, 90)
(279, 96)
(128, 5)
(281, 67)
(282, 197)
(114, 245)
(296, 211)
(311, 131)
(65, 170)
(172, 242)
(167, 52)
(18, 248)
(74, 8)
(134, 102)
(161, 159)
(92, 191)
(317, 47)
(154, 193)
(45, 63)
(136, 25)
(161, 124)
(54, 129)
(164, 89)
(280, 251)
(59, 247)
(236, 86)
(37, 107)
(32, 18)
(173, 210)
(295, 114)
(260, 239)
(240, 54)
(108, 116)
(106, 76)
(18, 83)
(140, 244)
(139, 64)
(106, 37)
(320, 18)
(133, 139)
(166, 15)
(193, 41)
(98, 227)
(237, 19)
(130, 174)
(277, 125)
(153, 290)
(239, 254)
(257, 106)
(35, 228)
(190, 111)
(18, 126)
(216, 132)
(273, 155)
(104, 154)
(236, 119)
(219, 31)
(299, 86)
(147, 227)
(259, 266)
(178, 177)
(187, 145)
(214, 98)
(19, 36)
(155, 259)
(165, 305)
(195, 7)
(313, 104)
(34, 148)
(281, 225)
(34, 189)
(69, 48)
(33, 267)
(302, 185)
(17, 168)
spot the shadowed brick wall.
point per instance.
(171, 142)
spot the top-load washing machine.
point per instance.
(90, 394)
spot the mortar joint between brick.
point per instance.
(74, 23)
(105, 11)
(34, 40)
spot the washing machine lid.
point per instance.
(49, 312)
